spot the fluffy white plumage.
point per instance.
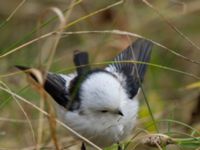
(102, 128)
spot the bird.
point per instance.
(101, 104)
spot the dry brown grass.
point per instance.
(27, 118)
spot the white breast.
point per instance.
(103, 131)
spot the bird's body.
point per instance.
(102, 128)
(101, 104)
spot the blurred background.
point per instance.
(173, 96)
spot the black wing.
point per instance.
(134, 73)
(56, 85)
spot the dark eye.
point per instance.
(104, 111)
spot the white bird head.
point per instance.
(102, 92)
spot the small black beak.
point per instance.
(120, 113)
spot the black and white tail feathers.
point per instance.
(139, 52)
